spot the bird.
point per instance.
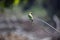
(30, 16)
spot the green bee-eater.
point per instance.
(30, 16)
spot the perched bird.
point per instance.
(30, 16)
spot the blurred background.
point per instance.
(13, 19)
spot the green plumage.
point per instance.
(30, 16)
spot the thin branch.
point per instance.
(49, 25)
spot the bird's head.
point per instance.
(30, 13)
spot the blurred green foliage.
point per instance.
(37, 10)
